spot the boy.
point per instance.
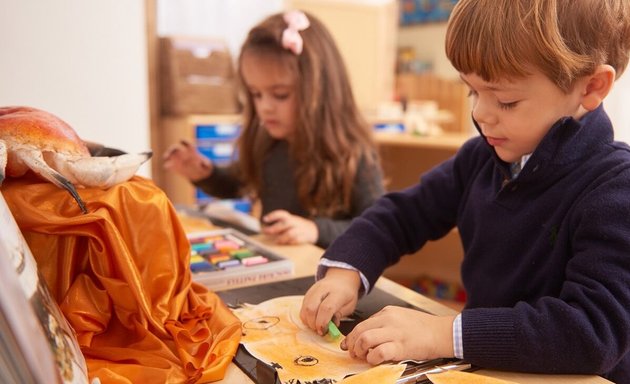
(541, 200)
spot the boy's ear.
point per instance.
(597, 86)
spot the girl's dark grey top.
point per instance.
(279, 190)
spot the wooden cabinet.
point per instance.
(404, 157)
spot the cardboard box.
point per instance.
(197, 76)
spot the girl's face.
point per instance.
(273, 89)
(514, 116)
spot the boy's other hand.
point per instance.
(397, 333)
(183, 158)
(331, 298)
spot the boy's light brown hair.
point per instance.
(564, 39)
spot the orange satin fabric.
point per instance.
(121, 276)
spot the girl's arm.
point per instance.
(223, 183)
(368, 187)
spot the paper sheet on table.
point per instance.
(457, 377)
(274, 333)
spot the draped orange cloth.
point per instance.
(121, 276)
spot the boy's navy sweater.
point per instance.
(546, 256)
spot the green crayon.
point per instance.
(333, 331)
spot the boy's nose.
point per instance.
(483, 114)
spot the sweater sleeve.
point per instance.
(367, 188)
(402, 222)
(223, 183)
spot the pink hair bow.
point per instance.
(291, 39)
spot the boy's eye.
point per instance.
(472, 92)
(508, 105)
(256, 95)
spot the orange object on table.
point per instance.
(121, 276)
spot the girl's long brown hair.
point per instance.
(331, 137)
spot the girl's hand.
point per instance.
(288, 228)
(396, 333)
(183, 158)
(331, 298)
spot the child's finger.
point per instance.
(169, 152)
(274, 228)
(274, 216)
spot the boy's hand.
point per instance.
(289, 229)
(396, 333)
(184, 159)
(331, 298)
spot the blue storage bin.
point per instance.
(243, 205)
(217, 131)
(218, 151)
(389, 127)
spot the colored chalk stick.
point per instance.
(254, 260)
(242, 253)
(218, 258)
(333, 331)
(229, 263)
(197, 265)
(201, 247)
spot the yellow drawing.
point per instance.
(274, 333)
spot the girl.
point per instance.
(304, 151)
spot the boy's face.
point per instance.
(515, 115)
(272, 88)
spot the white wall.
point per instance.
(617, 106)
(230, 20)
(84, 61)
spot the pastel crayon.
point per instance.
(201, 247)
(229, 263)
(226, 245)
(215, 259)
(200, 264)
(197, 240)
(254, 260)
(333, 331)
(242, 253)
